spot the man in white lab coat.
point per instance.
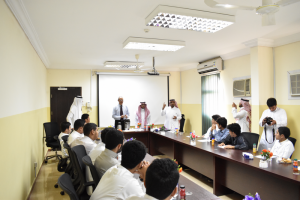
(279, 119)
(243, 116)
(75, 111)
(142, 115)
(173, 115)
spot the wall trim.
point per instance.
(259, 42)
(235, 54)
(18, 9)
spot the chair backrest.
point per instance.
(88, 162)
(79, 152)
(51, 130)
(65, 138)
(76, 178)
(251, 138)
(293, 140)
(65, 183)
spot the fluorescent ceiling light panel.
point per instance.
(124, 65)
(188, 19)
(153, 44)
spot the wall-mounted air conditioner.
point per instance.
(213, 66)
(295, 84)
(242, 88)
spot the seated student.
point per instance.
(86, 118)
(118, 182)
(78, 131)
(223, 131)
(90, 135)
(65, 128)
(234, 140)
(114, 140)
(283, 147)
(213, 129)
(162, 177)
(93, 155)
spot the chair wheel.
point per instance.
(62, 193)
(56, 186)
(46, 161)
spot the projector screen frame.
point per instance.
(128, 74)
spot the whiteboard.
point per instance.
(134, 89)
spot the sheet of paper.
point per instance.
(221, 147)
(203, 140)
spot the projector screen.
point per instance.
(134, 89)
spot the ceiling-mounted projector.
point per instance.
(153, 72)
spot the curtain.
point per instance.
(210, 101)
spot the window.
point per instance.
(210, 100)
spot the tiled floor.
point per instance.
(44, 186)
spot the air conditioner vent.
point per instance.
(242, 88)
(295, 84)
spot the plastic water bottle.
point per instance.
(295, 167)
(254, 148)
(182, 193)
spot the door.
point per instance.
(61, 101)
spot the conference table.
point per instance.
(228, 169)
(198, 193)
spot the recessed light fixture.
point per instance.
(153, 44)
(123, 65)
(188, 19)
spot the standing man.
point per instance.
(173, 115)
(243, 116)
(75, 111)
(142, 115)
(279, 119)
(120, 112)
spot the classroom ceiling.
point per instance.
(84, 34)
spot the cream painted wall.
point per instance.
(287, 59)
(23, 78)
(233, 68)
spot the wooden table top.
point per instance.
(281, 170)
(190, 186)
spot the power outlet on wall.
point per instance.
(35, 166)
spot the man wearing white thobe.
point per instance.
(243, 116)
(120, 113)
(279, 119)
(283, 147)
(75, 111)
(142, 115)
(173, 115)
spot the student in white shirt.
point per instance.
(161, 180)
(65, 128)
(118, 182)
(93, 155)
(283, 147)
(173, 115)
(90, 135)
(142, 115)
(86, 118)
(213, 129)
(109, 157)
(243, 116)
(279, 117)
(78, 132)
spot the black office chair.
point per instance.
(251, 138)
(88, 162)
(65, 138)
(293, 140)
(65, 183)
(182, 121)
(51, 129)
(72, 170)
(79, 152)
